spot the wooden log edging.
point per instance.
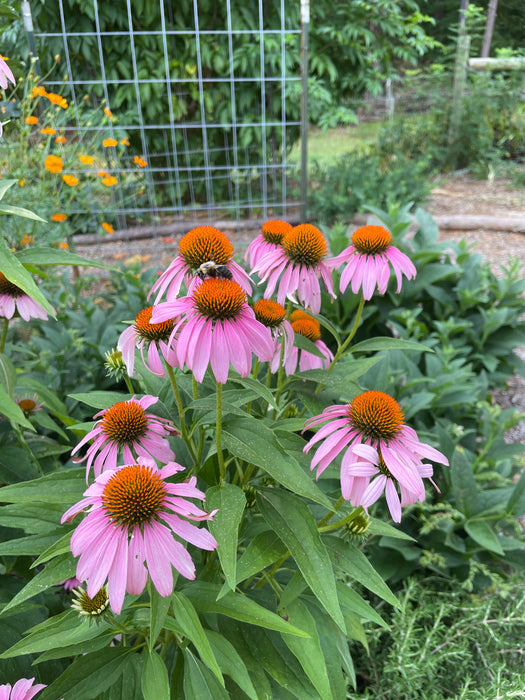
(464, 222)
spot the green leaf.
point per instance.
(5, 185)
(51, 400)
(257, 387)
(155, 682)
(20, 211)
(159, 607)
(60, 487)
(308, 651)
(16, 465)
(31, 545)
(306, 344)
(55, 256)
(378, 527)
(12, 411)
(377, 344)
(61, 546)
(231, 663)
(263, 550)
(353, 562)
(230, 501)
(255, 443)
(198, 682)
(100, 399)
(291, 519)
(89, 675)
(189, 622)
(32, 518)
(54, 572)
(7, 375)
(517, 493)
(239, 607)
(464, 487)
(482, 533)
(351, 601)
(17, 274)
(56, 632)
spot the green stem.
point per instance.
(4, 334)
(329, 516)
(129, 384)
(195, 391)
(348, 519)
(342, 348)
(254, 375)
(218, 434)
(183, 430)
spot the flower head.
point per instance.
(48, 131)
(70, 583)
(272, 233)
(273, 316)
(109, 181)
(57, 99)
(108, 113)
(107, 143)
(150, 338)
(217, 327)
(87, 160)
(126, 428)
(29, 404)
(107, 227)
(59, 217)
(5, 74)
(54, 164)
(21, 690)
(381, 453)
(38, 91)
(70, 180)
(140, 161)
(198, 246)
(12, 299)
(299, 262)
(31, 120)
(91, 607)
(132, 515)
(368, 261)
(60, 139)
(309, 327)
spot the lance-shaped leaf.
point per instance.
(16, 273)
(292, 520)
(230, 502)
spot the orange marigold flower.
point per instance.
(108, 113)
(27, 240)
(140, 161)
(108, 227)
(54, 164)
(103, 173)
(125, 141)
(70, 180)
(31, 120)
(38, 92)
(109, 142)
(22, 183)
(64, 245)
(48, 131)
(60, 139)
(109, 181)
(58, 216)
(57, 99)
(87, 160)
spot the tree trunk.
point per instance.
(489, 28)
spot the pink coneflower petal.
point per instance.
(137, 574)
(381, 453)
(23, 689)
(13, 298)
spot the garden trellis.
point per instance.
(209, 99)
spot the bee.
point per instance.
(211, 269)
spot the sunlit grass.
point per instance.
(326, 146)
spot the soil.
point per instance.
(456, 194)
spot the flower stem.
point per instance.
(342, 348)
(4, 334)
(129, 384)
(329, 516)
(218, 434)
(348, 519)
(183, 430)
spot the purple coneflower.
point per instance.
(21, 690)
(29, 404)
(126, 428)
(376, 443)
(307, 326)
(299, 262)
(200, 245)
(70, 583)
(12, 299)
(5, 74)
(273, 316)
(126, 533)
(368, 261)
(217, 327)
(152, 337)
(268, 241)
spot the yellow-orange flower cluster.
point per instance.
(107, 143)
(58, 216)
(140, 161)
(54, 164)
(27, 239)
(70, 180)
(48, 131)
(31, 120)
(108, 113)
(87, 160)
(125, 141)
(108, 227)
(109, 181)
(60, 139)
(57, 99)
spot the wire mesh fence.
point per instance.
(206, 96)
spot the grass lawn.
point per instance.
(325, 146)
